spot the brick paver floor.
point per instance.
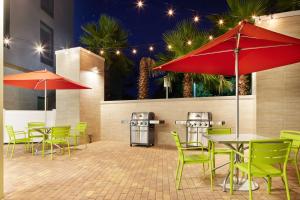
(113, 170)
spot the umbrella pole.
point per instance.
(45, 102)
(236, 55)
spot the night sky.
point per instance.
(147, 25)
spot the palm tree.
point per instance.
(105, 37)
(180, 41)
(145, 65)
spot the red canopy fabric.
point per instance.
(37, 80)
(259, 49)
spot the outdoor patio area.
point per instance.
(113, 170)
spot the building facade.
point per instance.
(29, 24)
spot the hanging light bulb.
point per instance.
(240, 22)
(221, 22)
(169, 47)
(6, 41)
(140, 4)
(170, 12)
(101, 52)
(151, 48)
(189, 42)
(118, 52)
(196, 18)
(134, 51)
(211, 37)
(39, 48)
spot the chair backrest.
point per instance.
(219, 131)
(10, 132)
(60, 132)
(177, 142)
(293, 135)
(275, 151)
(31, 125)
(81, 127)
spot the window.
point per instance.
(46, 38)
(48, 6)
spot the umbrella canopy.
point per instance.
(244, 49)
(258, 48)
(41, 80)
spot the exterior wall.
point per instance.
(278, 92)
(222, 108)
(73, 106)
(25, 17)
(91, 74)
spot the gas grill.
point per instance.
(196, 125)
(142, 126)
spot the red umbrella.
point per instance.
(244, 49)
(42, 80)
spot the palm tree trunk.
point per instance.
(145, 65)
(187, 85)
(244, 85)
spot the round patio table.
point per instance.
(45, 130)
(236, 144)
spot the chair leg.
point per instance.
(297, 168)
(69, 148)
(13, 150)
(7, 150)
(43, 149)
(250, 186)
(180, 175)
(177, 169)
(286, 185)
(32, 149)
(51, 151)
(231, 172)
(269, 184)
(203, 168)
(211, 176)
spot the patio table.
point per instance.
(45, 130)
(236, 144)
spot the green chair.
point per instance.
(295, 136)
(214, 150)
(14, 138)
(59, 136)
(33, 134)
(80, 132)
(263, 160)
(183, 158)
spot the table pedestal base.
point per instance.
(242, 185)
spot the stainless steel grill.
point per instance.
(196, 125)
(142, 126)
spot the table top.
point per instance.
(231, 138)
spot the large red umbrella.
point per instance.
(242, 50)
(42, 80)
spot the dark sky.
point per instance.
(147, 25)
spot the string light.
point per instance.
(189, 42)
(240, 22)
(196, 19)
(39, 48)
(221, 22)
(6, 41)
(253, 16)
(151, 48)
(211, 37)
(169, 47)
(118, 52)
(101, 52)
(134, 51)
(170, 12)
(140, 4)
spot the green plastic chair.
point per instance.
(59, 136)
(14, 139)
(199, 158)
(32, 134)
(80, 132)
(295, 149)
(214, 150)
(263, 160)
